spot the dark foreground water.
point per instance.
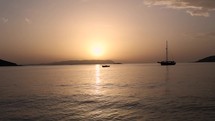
(145, 92)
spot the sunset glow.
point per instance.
(97, 50)
(102, 60)
(127, 30)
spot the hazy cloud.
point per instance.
(27, 20)
(193, 7)
(84, 0)
(201, 36)
(5, 20)
(205, 35)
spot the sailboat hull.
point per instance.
(166, 63)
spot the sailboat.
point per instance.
(167, 61)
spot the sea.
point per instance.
(122, 92)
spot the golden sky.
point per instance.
(122, 30)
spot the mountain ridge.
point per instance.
(7, 63)
(207, 59)
(81, 62)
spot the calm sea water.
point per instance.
(144, 92)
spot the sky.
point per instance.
(40, 31)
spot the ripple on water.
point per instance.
(97, 107)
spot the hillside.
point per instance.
(207, 59)
(81, 62)
(7, 63)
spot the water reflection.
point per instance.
(97, 75)
(167, 78)
(97, 79)
(167, 74)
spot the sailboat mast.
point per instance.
(167, 51)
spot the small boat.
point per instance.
(167, 61)
(105, 66)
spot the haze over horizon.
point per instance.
(121, 30)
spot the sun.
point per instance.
(97, 50)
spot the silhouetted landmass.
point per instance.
(7, 63)
(81, 62)
(117, 63)
(207, 59)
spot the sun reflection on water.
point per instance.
(97, 74)
(97, 79)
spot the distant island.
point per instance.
(207, 59)
(81, 62)
(7, 63)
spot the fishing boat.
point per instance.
(167, 61)
(104, 66)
